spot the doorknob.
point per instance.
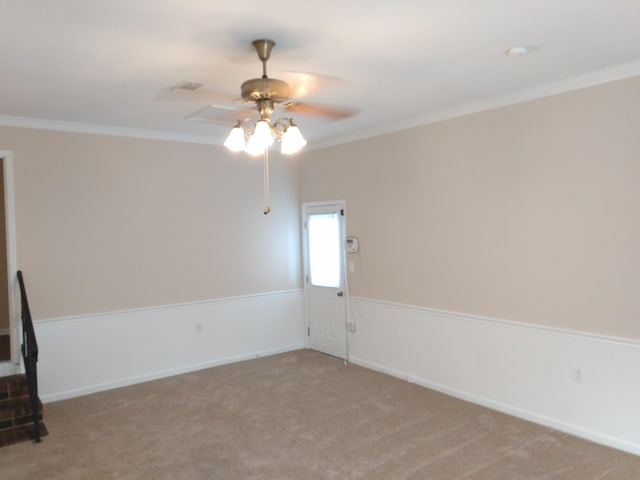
(340, 293)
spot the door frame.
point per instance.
(343, 259)
(10, 225)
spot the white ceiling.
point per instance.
(101, 65)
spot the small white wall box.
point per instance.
(351, 245)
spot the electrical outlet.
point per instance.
(578, 375)
(199, 328)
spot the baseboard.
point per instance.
(504, 408)
(519, 369)
(124, 382)
(85, 354)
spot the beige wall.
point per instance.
(527, 213)
(108, 223)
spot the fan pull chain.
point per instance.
(267, 203)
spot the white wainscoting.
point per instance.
(520, 369)
(7, 368)
(85, 354)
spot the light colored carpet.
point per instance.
(300, 415)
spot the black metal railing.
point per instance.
(30, 357)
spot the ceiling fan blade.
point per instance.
(305, 84)
(220, 114)
(332, 112)
(200, 95)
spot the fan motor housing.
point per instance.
(263, 88)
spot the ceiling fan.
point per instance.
(268, 92)
(264, 95)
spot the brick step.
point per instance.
(13, 386)
(23, 433)
(16, 419)
(17, 412)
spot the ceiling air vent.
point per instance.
(189, 86)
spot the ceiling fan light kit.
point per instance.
(265, 92)
(263, 135)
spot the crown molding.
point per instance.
(77, 127)
(606, 75)
(609, 74)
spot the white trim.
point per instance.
(6, 368)
(169, 306)
(521, 369)
(12, 263)
(509, 323)
(610, 74)
(111, 130)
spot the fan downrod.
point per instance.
(264, 88)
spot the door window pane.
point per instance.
(324, 250)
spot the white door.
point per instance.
(325, 300)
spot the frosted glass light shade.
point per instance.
(235, 140)
(292, 140)
(262, 138)
(253, 147)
